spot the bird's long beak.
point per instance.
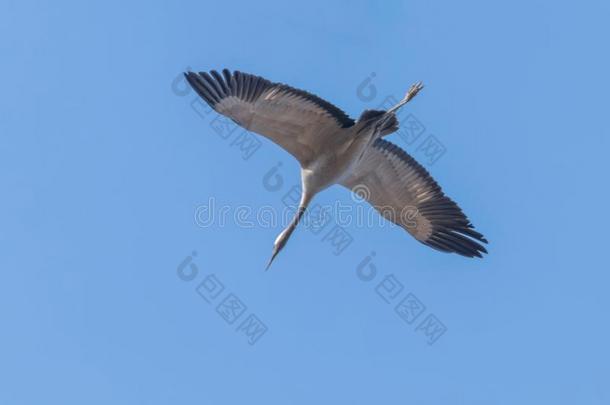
(275, 252)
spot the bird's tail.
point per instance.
(390, 126)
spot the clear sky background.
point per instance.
(104, 162)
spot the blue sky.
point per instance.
(104, 161)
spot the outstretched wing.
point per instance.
(405, 193)
(294, 119)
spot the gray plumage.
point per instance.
(334, 149)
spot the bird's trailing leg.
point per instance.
(283, 237)
(390, 115)
(412, 92)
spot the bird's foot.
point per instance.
(413, 90)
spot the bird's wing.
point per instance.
(405, 193)
(294, 119)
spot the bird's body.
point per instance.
(344, 150)
(334, 149)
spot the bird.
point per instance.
(333, 148)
